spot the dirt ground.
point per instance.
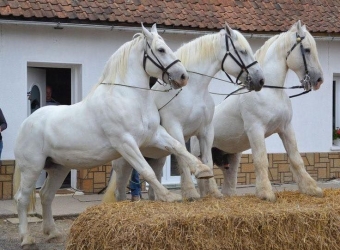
(9, 235)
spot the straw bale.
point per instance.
(294, 221)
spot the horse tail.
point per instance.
(110, 194)
(16, 179)
(16, 187)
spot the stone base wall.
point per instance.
(6, 179)
(321, 166)
(95, 179)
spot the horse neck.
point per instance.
(206, 65)
(274, 65)
(126, 84)
(206, 70)
(134, 74)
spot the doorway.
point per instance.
(59, 80)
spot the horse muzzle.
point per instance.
(318, 84)
(308, 83)
(254, 84)
(180, 82)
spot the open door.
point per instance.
(36, 89)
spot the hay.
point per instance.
(294, 221)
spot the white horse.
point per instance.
(226, 50)
(240, 124)
(116, 119)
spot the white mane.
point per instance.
(116, 66)
(284, 45)
(206, 47)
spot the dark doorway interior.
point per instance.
(60, 81)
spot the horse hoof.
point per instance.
(229, 192)
(271, 198)
(30, 247)
(267, 195)
(175, 197)
(169, 197)
(206, 174)
(217, 194)
(190, 193)
(190, 199)
(317, 192)
(53, 235)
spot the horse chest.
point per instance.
(145, 124)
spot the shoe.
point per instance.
(135, 198)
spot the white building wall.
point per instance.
(21, 45)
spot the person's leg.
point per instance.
(1, 146)
(135, 186)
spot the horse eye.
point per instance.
(307, 50)
(244, 52)
(161, 50)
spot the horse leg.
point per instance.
(56, 176)
(130, 151)
(157, 166)
(28, 178)
(188, 164)
(263, 186)
(207, 187)
(123, 173)
(230, 174)
(306, 183)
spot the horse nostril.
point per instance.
(320, 79)
(183, 77)
(262, 82)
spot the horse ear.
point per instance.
(146, 33)
(300, 30)
(298, 25)
(228, 29)
(230, 32)
(154, 29)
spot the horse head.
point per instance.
(160, 61)
(239, 59)
(302, 57)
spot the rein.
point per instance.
(293, 87)
(135, 87)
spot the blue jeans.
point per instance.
(135, 183)
(1, 146)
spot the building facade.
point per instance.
(70, 56)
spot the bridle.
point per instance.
(306, 80)
(237, 60)
(158, 64)
(152, 79)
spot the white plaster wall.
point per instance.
(91, 48)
